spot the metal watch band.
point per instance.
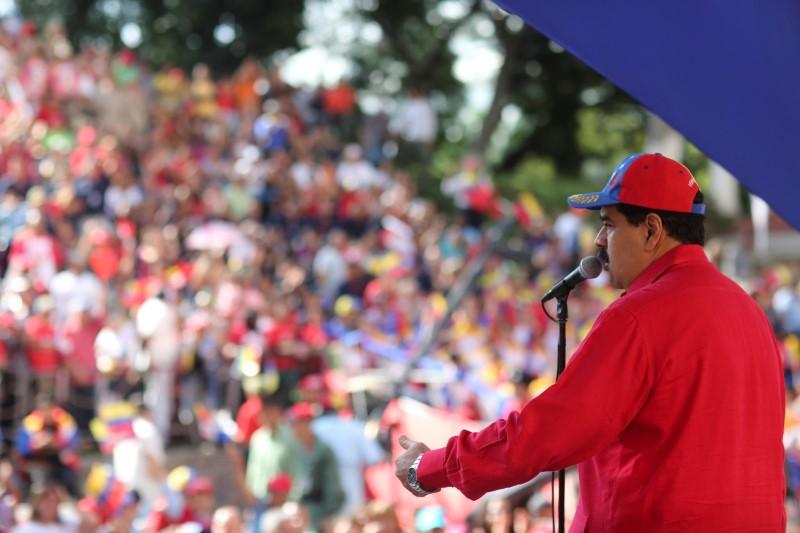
(414, 485)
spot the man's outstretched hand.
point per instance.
(413, 449)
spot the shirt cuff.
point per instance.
(431, 473)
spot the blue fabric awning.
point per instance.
(726, 74)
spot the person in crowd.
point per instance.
(347, 439)
(140, 461)
(288, 518)
(320, 489)
(10, 493)
(416, 124)
(272, 450)
(39, 341)
(112, 510)
(47, 444)
(78, 351)
(45, 518)
(189, 499)
(278, 489)
(157, 325)
(521, 382)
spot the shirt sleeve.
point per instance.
(602, 388)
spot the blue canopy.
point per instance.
(726, 74)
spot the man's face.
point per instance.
(621, 247)
(302, 429)
(201, 502)
(270, 415)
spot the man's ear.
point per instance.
(655, 230)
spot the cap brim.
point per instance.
(591, 200)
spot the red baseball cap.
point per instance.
(199, 485)
(312, 383)
(281, 483)
(653, 181)
(302, 411)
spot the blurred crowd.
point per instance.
(188, 256)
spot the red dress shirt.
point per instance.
(672, 406)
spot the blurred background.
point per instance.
(243, 246)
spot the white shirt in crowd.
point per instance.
(330, 269)
(567, 229)
(82, 288)
(120, 200)
(131, 459)
(156, 322)
(357, 175)
(415, 120)
(303, 174)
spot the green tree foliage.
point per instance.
(571, 117)
(180, 32)
(566, 105)
(419, 39)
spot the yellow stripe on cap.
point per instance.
(584, 198)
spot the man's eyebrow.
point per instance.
(605, 218)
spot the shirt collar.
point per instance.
(685, 253)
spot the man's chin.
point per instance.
(613, 281)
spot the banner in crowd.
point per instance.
(433, 427)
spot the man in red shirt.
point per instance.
(40, 345)
(673, 404)
(79, 334)
(191, 502)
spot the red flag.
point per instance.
(433, 427)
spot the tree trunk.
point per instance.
(502, 90)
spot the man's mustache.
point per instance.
(602, 255)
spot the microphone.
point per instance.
(589, 267)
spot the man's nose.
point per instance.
(600, 239)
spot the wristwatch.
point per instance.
(413, 482)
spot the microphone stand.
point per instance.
(562, 315)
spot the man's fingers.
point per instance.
(405, 442)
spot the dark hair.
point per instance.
(272, 399)
(686, 228)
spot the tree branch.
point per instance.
(512, 43)
(436, 55)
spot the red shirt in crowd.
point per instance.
(283, 331)
(248, 418)
(672, 407)
(41, 352)
(339, 100)
(80, 357)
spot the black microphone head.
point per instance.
(590, 267)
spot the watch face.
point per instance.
(412, 477)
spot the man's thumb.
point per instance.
(405, 442)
